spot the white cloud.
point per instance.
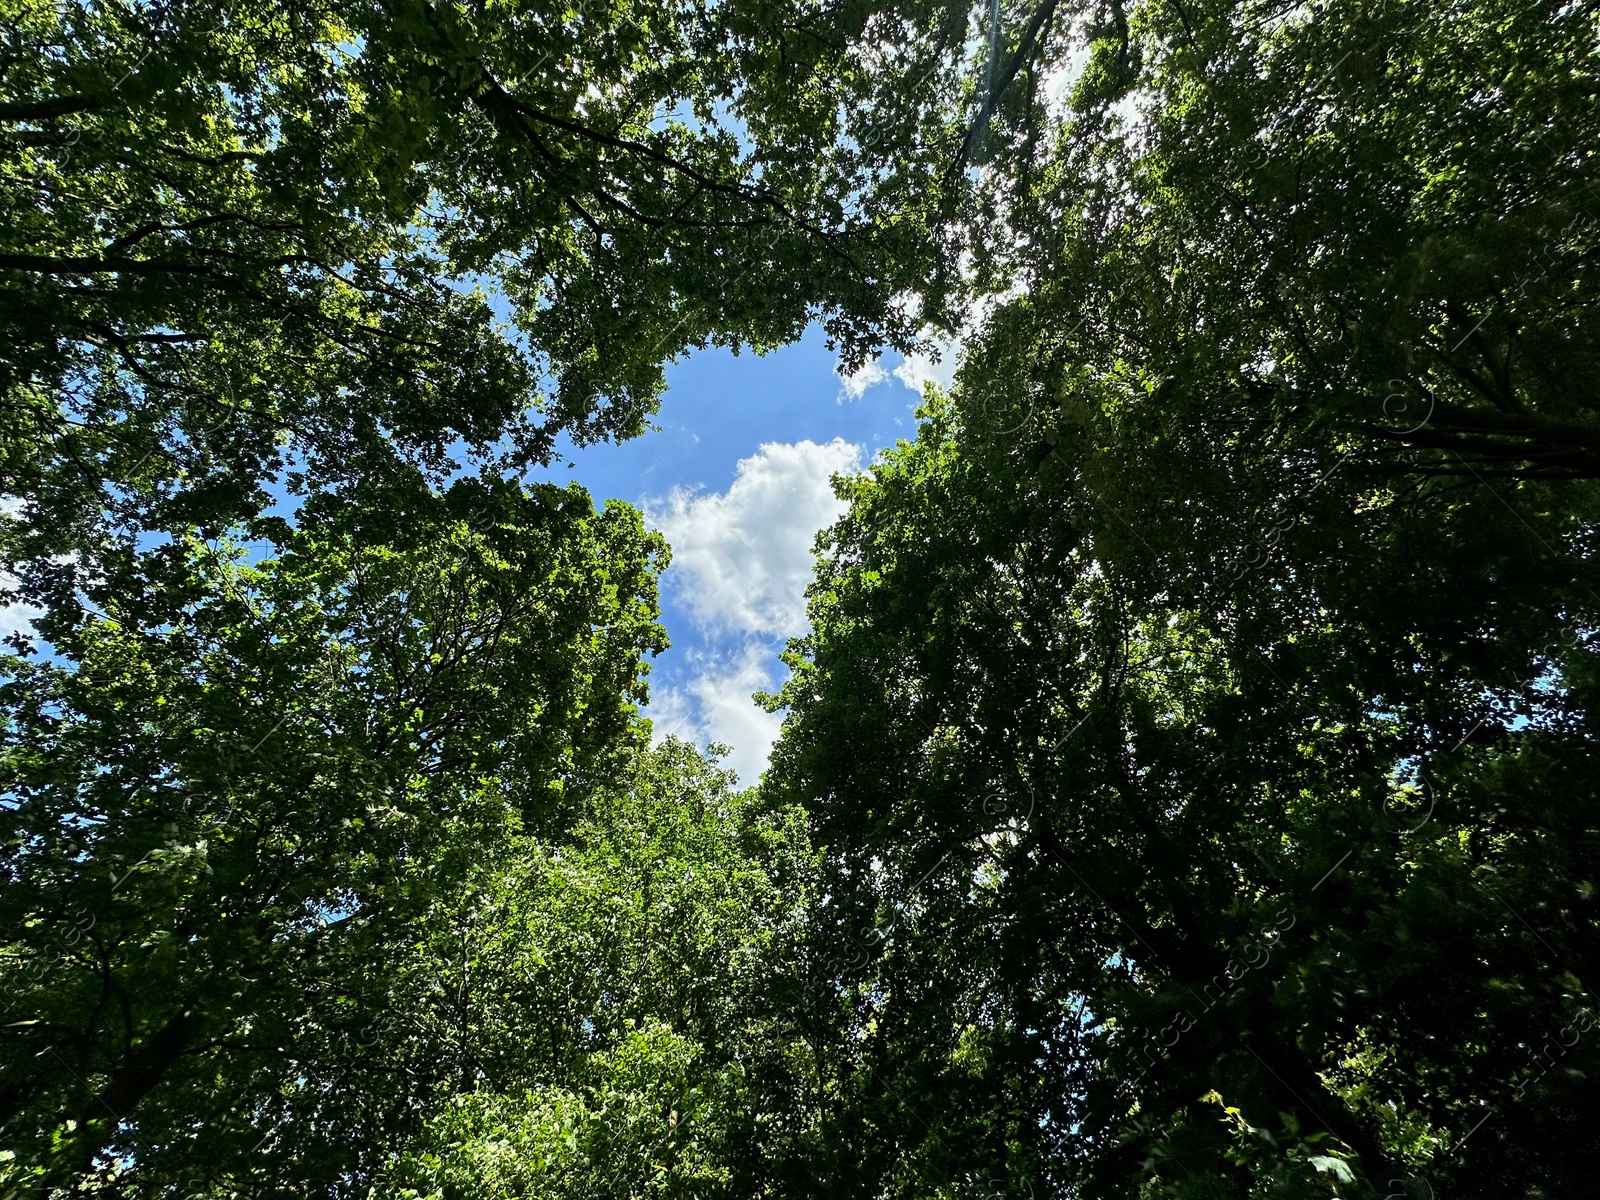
(741, 559)
(716, 707)
(672, 712)
(936, 365)
(15, 618)
(854, 385)
(920, 368)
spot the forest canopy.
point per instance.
(1187, 783)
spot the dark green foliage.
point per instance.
(1109, 830)
(1188, 786)
(1198, 722)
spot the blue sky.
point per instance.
(736, 475)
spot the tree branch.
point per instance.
(1042, 16)
(49, 108)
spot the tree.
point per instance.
(233, 795)
(256, 247)
(1197, 731)
(1145, 873)
(1213, 679)
(319, 259)
(627, 1004)
(1350, 215)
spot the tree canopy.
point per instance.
(1197, 722)
(231, 791)
(1188, 780)
(256, 247)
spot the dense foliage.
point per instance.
(251, 246)
(1188, 786)
(1198, 719)
(290, 297)
(231, 790)
(1118, 842)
